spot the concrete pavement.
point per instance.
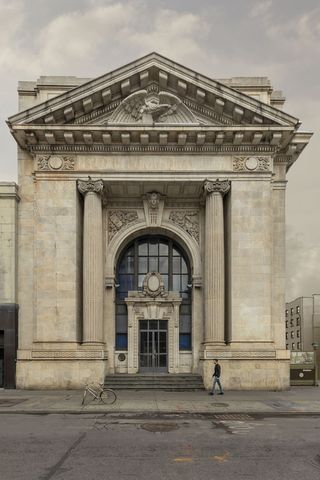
(298, 400)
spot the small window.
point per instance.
(291, 323)
(298, 322)
(298, 346)
(287, 313)
(292, 334)
(286, 335)
(298, 309)
(291, 311)
(298, 333)
(287, 346)
(292, 346)
(287, 323)
(121, 341)
(185, 341)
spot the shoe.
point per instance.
(221, 393)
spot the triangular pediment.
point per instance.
(190, 99)
(155, 104)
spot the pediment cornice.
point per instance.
(133, 138)
(95, 100)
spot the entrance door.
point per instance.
(153, 346)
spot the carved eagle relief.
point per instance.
(153, 107)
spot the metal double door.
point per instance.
(153, 354)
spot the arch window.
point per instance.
(159, 254)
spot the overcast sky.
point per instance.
(219, 38)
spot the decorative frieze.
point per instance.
(55, 162)
(158, 148)
(188, 220)
(251, 164)
(242, 355)
(69, 354)
(119, 219)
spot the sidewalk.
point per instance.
(298, 400)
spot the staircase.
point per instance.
(172, 382)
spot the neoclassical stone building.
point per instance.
(151, 226)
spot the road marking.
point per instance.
(183, 459)
(221, 458)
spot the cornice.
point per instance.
(151, 138)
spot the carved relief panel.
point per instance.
(55, 162)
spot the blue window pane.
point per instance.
(121, 341)
(185, 341)
(122, 323)
(125, 283)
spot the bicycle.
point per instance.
(100, 393)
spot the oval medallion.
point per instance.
(153, 283)
(55, 162)
(251, 163)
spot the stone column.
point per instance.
(214, 300)
(92, 261)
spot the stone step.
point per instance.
(173, 382)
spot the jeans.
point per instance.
(216, 380)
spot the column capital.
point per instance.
(216, 186)
(90, 186)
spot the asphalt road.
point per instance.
(81, 447)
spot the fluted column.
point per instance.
(214, 261)
(92, 261)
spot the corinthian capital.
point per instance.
(94, 186)
(216, 186)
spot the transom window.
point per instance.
(153, 254)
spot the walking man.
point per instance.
(216, 377)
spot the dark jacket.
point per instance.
(217, 371)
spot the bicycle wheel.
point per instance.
(84, 397)
(108, 396)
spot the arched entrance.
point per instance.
(154, 328)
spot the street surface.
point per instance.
(112, 446)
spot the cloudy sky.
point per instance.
(220, 38)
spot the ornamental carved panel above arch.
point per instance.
(188, 220)
(120, 219)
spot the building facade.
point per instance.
(303, 324)
(151, 226)
(9, 199)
